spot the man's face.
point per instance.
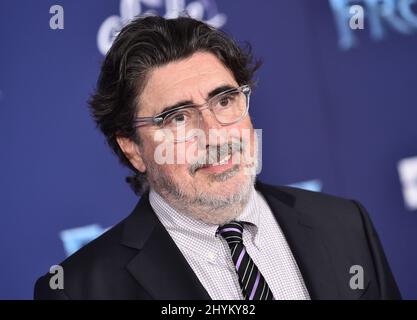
(192, 79)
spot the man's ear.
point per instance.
(132, 152)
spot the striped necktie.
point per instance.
(252, 283)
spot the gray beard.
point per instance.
(215, 210)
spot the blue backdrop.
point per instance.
(337, 107)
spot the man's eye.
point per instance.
(226, 100)
(177, 119)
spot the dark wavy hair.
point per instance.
(142, 45)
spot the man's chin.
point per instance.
(225, 184)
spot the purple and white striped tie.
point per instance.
(252, 283)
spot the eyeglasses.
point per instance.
(228, 107)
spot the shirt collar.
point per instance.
(176, 221)
(251, 216)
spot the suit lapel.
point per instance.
(305, 242)
(159, 267)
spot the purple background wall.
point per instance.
(337, 115)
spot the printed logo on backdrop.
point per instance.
(75, 238)
(407, 170)
(381, 17)
(204, 10)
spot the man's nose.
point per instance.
(208, 121)
(214, 132)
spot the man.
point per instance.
(172, 101)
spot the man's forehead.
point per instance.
(188, 79)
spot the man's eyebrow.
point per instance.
(210, 95)
(218, 90)
(177, 105)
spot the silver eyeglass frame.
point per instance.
(159, 118)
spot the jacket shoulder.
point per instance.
(102, 258)
(322, 209)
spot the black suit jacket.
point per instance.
(137, 259)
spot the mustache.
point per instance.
(215, 154)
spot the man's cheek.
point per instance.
(178, 171)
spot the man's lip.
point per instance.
(218, 163)
(218, 168)
(214, 165)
